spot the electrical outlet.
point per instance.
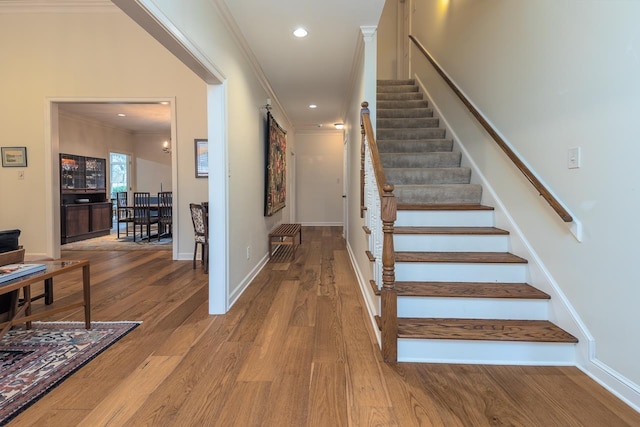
(248, 252)
(573, 158)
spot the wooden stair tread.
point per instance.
(370, 256)
(461, 257)
(443, 207)
(470, 290)
(450, 230)
(483, 330)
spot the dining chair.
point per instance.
(124, 213)
(201, 234)
(142, 214)
(165, 213)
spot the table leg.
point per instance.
(86, 288)
(48, 291)
(27, 303)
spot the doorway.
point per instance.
(129, 135)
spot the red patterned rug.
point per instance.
(33, 362)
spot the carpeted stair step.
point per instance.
(383, 82)
(483, 329)
(414, 146)
(402, 96)
(410, 122)
(402, 104)
(470, 290)
(396, 88)
(414, 133)
(438, 193)
(451, 175)
(421, 160)
(384, 113)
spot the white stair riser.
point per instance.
(485, 352)
(451, 243)
(455, 272)
(445, 218)
(473, 308)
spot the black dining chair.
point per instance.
(124, 213)
(165, 214)
(142, 214)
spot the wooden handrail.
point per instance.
(544, 192)
(375, 155)
(388, 209)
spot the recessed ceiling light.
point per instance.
(313, 106)
(300, 32)
(122, 115)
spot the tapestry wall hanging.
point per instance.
(276, 167)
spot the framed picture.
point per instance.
(14, 157)
(202, 158)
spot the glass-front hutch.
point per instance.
(85, 211)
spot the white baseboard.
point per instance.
(365, 290)
(242, 286)
(617, 384)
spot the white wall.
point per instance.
(79, 56)
(388, 25)
(152, 165)
(551, 75)
(319, 164)
(203, 24)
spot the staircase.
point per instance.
(462, 297)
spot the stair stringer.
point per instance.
(561, 311)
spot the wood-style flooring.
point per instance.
(297, 349)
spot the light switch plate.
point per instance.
(573, 158)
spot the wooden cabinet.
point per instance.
(85, 211)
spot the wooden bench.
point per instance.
(285, 235)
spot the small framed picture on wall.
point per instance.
(14, 157)
(202, 158)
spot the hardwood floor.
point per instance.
(296, 349)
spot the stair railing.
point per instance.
(381, 210)
(544, 192)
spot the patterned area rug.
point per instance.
(124, 243)
(33, 362)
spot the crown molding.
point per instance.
(57, 6)
(237, 35)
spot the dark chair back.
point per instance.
(141, 207)
(200, 224)
(165, 207)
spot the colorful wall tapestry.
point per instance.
(276, 170)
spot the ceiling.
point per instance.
(138, 118)
(312, 70)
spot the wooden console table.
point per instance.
(22, 313)
(285, 234)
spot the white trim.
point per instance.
(57, 6)
(217, 107)
(244, 284)
(52, 150)
(367, 295)
(617, 384)
(236, 32)
(323, 224)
